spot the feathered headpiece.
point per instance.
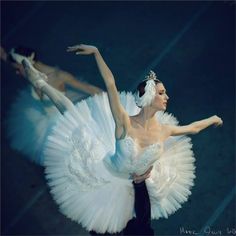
(150, 91)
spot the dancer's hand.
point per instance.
(217, 121)
(82, 49)
(140, 178)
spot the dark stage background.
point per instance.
(191, 46)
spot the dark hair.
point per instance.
(141, 86)
(24, 51)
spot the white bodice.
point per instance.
(130, 158)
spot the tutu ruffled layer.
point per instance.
(29, 121)
(86, 191)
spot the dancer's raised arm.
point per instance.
(119, 114)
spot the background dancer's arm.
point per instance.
(69, 79)
(64, 78)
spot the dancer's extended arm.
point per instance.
(194, 127)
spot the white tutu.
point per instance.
(29, 121)
(91, 194)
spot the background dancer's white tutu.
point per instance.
(87, 192)
(29, 120)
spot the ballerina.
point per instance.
(32, 113)
(103, 144)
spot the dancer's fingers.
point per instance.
(74, 48)
(81, 53)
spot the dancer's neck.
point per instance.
(146, 117)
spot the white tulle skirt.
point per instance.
(29, 120)
(87, 192)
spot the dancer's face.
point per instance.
(161, 98)
(19, 69)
